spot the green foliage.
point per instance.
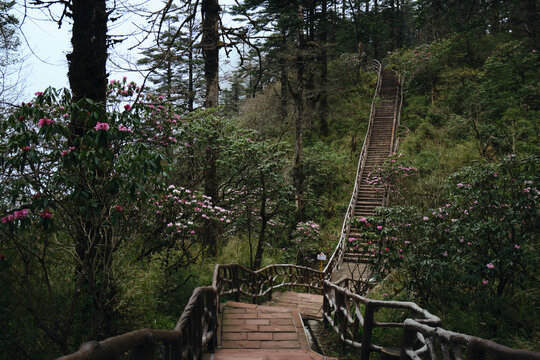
(490, 97)
(477, 252)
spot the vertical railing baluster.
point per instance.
(474, 352)
(144, 352)
(368, 330)
(271, 284)
(409, 338)
(341, 318)
(236, 284)
(165, 352)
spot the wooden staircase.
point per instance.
(379, 145)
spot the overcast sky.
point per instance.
(44, 47)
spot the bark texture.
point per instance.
(87, 72)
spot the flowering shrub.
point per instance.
(305, 245)
(77, 179)
(392, 178)
(479, 248)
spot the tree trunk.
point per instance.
(375, 36)
(94, 291)
(283, 76)
(191, 94)
(298, 171)
(310, 59)
(323, 60)
(210, 47)
(87, 73)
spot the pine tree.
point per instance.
(176, 62)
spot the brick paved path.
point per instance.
(308, 305)
(261, 332)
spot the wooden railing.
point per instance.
(353, 317)
(397, 124)
(444, 344)
(394, 144)
(350, 315)
(196, 328)
(333, 262)
(241, 282)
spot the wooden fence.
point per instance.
(443, 344)
(353, 316)
(196, 328)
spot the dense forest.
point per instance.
(118, 198)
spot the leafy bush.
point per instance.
(477, 252)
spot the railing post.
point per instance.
(254, 294)
(176, 349)
(212, 305)
(325, 304)
(409, 337)
(307, 280)
(474, 352)
(341, 318)
(236, 284)
(144, 352)
(196, 327)
(368, 330)
(271, 283)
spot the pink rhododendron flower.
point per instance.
(516, 246)
(425, 218)
(490, 266)
(118, 208)
(379, 227)
(485, 282)
(122, 128)
(44, 121)
(37, 93)
(46, 214)
(127, 107)
(22, 214)
(102, 126)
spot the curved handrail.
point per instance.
(372, 65)
(452, 343)
(394, 142)
(239, 281)
(196, 328)
(352, 316)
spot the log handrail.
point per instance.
(342, 310)
(196, 328)
(239, 281)
(352, 316)
(454, 345)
